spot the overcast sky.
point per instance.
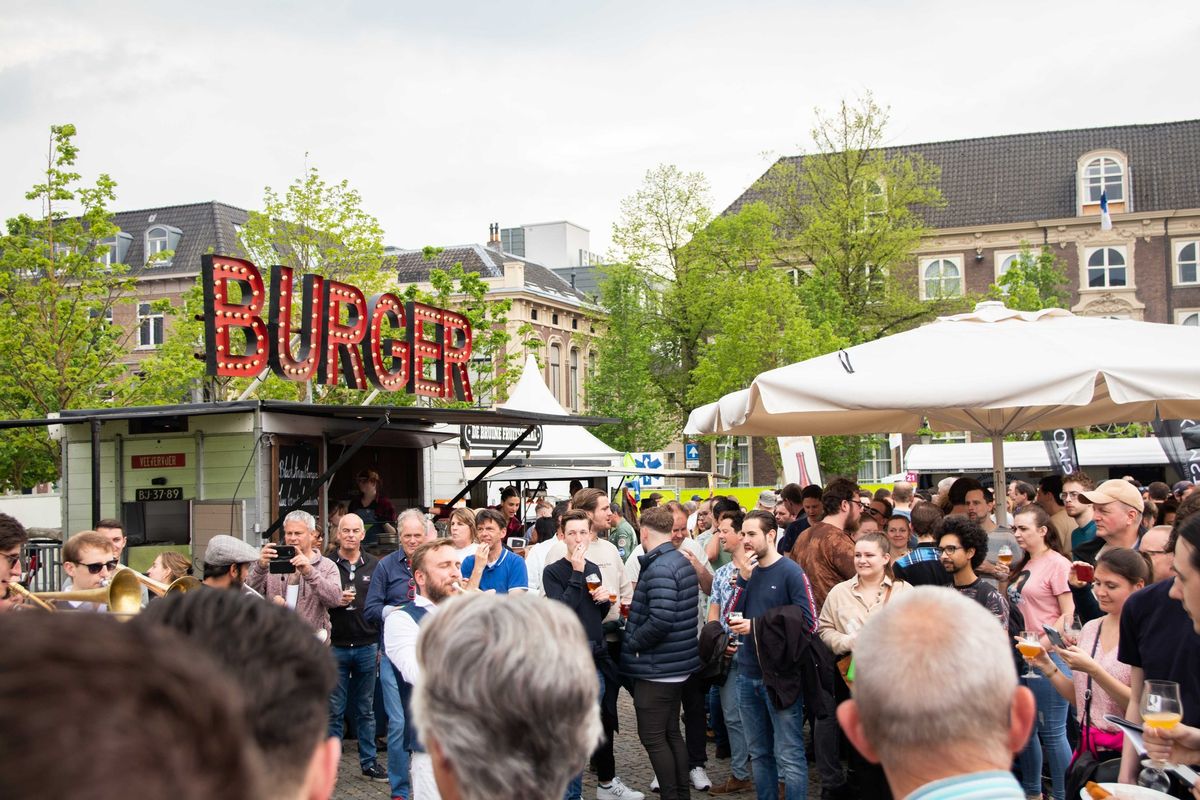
(448, 116)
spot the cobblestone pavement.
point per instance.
(633, 767)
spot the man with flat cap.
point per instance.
(227, 562)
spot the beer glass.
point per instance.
(1030, 647)
(1161, 710)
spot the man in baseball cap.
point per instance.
(227, 562)
(1117, 509)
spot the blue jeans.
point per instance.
(770, 731)
(739, 764)
(397, 761)
(356, 685)
(716, 717)
(575, 787)
(1050, 737)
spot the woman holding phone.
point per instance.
(1093, 661)
(1040, 589)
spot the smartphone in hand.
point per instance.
(282, 564)
(1054, 636)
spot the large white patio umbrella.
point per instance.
(1059, 371)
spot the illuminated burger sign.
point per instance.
(384, 342)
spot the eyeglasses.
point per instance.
(1155, 552)
(13, 561)
(1068, 495)
(949, 549)
(95, 568)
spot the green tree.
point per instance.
(1032, 282)
(56, 292)
(622, 385)
(850, 220)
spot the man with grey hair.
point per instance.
(313, 587)
(481, 740)
(392, 584)
(954, 734)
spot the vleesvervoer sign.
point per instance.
(385, 342)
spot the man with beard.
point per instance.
(227, 563)
(963, 544)
(435, 571)
(774, 735)
(967, 496)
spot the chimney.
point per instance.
(494, 235)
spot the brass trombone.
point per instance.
(122, 595)
(181, 585)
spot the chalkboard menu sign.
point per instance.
(299, 466)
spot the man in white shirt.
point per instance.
(435, 571)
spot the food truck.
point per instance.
(178, 475)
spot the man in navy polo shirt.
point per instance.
(494, 567)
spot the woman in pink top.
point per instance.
(1041, 592)
(1119, 573)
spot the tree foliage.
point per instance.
(1032, 282)
(622, 385)
(850, 220)
(56, 293)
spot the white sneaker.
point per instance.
(618, 791)
(654, 784)
(700, 781)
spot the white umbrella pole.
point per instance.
(999, 482)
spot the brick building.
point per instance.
(1044, 189)
(562, 318)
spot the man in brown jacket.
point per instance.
(826, 550)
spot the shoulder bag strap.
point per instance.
(1085, 723)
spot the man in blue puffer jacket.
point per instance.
(661, 651)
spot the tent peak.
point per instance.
(996, 311)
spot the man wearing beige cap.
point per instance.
(767, 500)
(1117, 509)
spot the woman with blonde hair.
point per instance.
(169, 566)
(462, 532)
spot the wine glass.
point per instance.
(1161, 710)
(1031, 647)
(1072, 631)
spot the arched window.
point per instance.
(160, 239)
(1103, 174)
(1187, 265)
(556, 371)
(1106, 268)
(573, 380)
(117, 246)
(1191, 318)
(941, 277)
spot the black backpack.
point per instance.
(1016, 625)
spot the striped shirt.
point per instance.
(991, 785)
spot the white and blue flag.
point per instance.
(1105, 217)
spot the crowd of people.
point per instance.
(877, 637)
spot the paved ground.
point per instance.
(632, 767)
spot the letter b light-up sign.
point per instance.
(382, 342)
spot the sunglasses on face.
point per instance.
(99, 565)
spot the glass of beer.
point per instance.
(593, 582)
(1161, 710)
(1004, 555)
(1030, 647)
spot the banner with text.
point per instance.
(1060, 446)
(1185, 460)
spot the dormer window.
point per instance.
(1104, 172)
(159, 239)
(117, 246)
